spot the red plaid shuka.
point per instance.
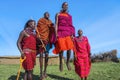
(29, 49)
(82, 49)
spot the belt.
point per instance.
(29, 50)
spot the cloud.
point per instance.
(104, 33)
(105, 44)
(109, 23)
(6, 36)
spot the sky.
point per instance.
(99, 20)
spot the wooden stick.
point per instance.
(40, 39)
(21, 61)
(74, 49)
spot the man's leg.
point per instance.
(81, 78)
(85, 78)
(45, 63)
(60, 58)
(29, 75)
(68, 59)
(41, 66)
(25, 75)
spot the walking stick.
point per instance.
(21, 61)
(40, 39)
(74, 49)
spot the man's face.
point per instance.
(65, 7)
(32, 24)
(47, 15)
(80, 32)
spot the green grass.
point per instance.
(99, 71)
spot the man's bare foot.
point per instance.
(45, 75)
(61, 67)
(42, 77)
(68, 66)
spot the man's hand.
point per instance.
(72, 37)
(22, 55)
(75, 58)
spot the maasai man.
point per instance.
(82, 62)
(43, 28)
(27, 46)
(64, 33)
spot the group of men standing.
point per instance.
(62, 35)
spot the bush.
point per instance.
(105, 56)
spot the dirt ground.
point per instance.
(15, 60)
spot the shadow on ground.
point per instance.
(36, 77)
(13, 77)
(58, 77)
